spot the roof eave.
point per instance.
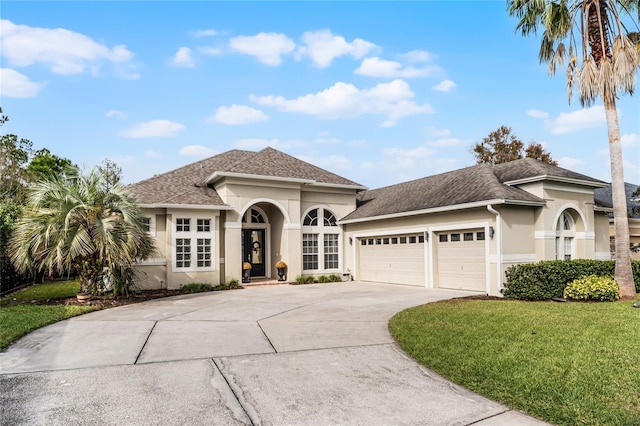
(185, 206)
(551, 178)
(472, 205)
(219, 175)
(339, 185)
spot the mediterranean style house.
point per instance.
(456, 230)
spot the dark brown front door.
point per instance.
(253, 250)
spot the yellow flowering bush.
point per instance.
(593, 287)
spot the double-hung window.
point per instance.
(320, 241)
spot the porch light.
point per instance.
(491, 232)
(350, 241)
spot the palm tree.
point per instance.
(602, 56)
(80, 223)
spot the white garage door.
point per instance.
(396, 259)
(461, 260)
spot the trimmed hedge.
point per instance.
(548, 279)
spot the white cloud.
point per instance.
(209, 50)
(587, 118)
(116, 113)
(322, 47)
(407, 156)
(183, 58)
(376, 67)
(444, 86)
(630, 140)
(343, 100)
(434, 131)
(537, 113)
(63, 51)
(152, 154)
(16, 85)
(198, 151)
(153, 129)
(204, 33)
(417, 56)
(569, 162)
(237, 114)
(267, 47)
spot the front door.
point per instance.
(253, 250)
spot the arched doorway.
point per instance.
(255, 233)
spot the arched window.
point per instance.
(253, 215)
(565, 236)
(320, 241)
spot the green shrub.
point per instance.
(323, 279)
(593, 287)
(547, 279)
(195, 288)
(300, 279)
(335, 278)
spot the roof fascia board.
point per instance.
(444, 209)
(556, 179)
(218, 175)
(184, 206)
(339, 186)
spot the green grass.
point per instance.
(19, 317)
(55, 290)
(19, 320)
(566, 363)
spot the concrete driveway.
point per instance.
(313, 354)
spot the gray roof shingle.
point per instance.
(604, 198)
(471, 184)
(185, 185)
(530, 168)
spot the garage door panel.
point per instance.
(461, 264)
(392, 263)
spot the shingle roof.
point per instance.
(529, 168)
(604, 198)
(472, 184)
(468, 185)
(185, 184)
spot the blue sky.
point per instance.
(377, 92)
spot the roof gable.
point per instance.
(187, 184)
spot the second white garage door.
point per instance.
(461, 260)
(396, 259)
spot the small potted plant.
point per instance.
(281, 267)
(246, 272)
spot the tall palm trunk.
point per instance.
(624, 276)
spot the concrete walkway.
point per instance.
(278, 355)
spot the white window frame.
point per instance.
(193, 234)
(152, 224)
(321, 230)
(565, 235)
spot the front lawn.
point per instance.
(20, 312)
(566, 363)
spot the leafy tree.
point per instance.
(44, 164)
(602, 57)
(14, 158)
(502, 146)
(80, 223)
